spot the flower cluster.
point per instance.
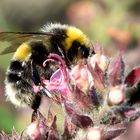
(97, 100)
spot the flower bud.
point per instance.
(81, 77)
(101, 60)
(116, 95)
(36, 131)
(94, 134)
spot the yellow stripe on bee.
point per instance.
(74, 34)
(23, 52)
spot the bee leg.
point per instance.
(37, 99)
(37, 81)
(35, 74)
(35, 105)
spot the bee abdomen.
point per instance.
(14, 71)
(17, 89)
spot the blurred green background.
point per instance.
(114, 24)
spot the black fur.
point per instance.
(13, 77)
(73, 51)
(16, 66)
(39, 52)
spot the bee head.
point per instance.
(71, 40)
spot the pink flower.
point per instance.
(59, 81)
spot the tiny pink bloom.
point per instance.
(59, 81)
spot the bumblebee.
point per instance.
(31, 50)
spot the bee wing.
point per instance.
(17, 38)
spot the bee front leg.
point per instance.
(35, 75)
(37, 98)
(37, 81)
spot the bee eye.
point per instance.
(85, 51)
